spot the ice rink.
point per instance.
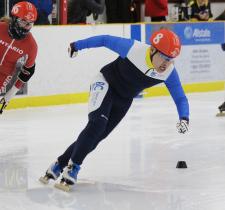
(133, 169)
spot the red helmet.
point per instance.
(25, 10)
(167, 42)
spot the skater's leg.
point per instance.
(119, 109)
(65, 157)
(100, 103)
(91, 135)
(117, 114)
(98, 128)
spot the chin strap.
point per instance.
(152, 54)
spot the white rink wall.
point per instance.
(56, 73)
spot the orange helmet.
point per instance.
(166, 42)
(25, 11)
(24, 14)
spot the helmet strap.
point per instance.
(15, 31)
(152, 54)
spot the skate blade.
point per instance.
(221, 114)
(44, 180)
(63, 186)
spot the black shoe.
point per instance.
(222, 107)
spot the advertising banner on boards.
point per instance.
(201, 58)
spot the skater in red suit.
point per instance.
(18, 49)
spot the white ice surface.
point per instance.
(133, 169)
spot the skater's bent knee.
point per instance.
(97, 125)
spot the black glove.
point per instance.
(223, 46)
(72, 50)
(3, 104)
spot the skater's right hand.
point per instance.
(3, 104)
(182, 126)
(72, 50)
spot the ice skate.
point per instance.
(222, 110)
(69, 177)
(53, 172)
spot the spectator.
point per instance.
(78, 10)
(44, 9)
(156, 9)
(121, 11)
(200, 10)
(2, 8)
(221, 16)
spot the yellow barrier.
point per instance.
(61, 99)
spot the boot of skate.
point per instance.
(70, 173)
(54, 170)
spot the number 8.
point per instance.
(157, 38)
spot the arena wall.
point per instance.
(61, 80)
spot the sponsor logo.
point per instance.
(103, 116)
(5, 44)
(201, 33)
(188, 32)
(151, 73)
(97, 86)
(196, 33)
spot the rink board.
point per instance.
(61, 80)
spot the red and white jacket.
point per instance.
(156, 8)
(13, 51)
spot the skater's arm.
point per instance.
(116, 44)
(174, 86)
(24, 75)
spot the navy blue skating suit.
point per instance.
(113, 89)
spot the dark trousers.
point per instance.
(158, 19)
(100, 124)
(2, 8)
(118, 11)
(42, 18)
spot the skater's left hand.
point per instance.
(72, 51)
(182, 126)
(3, 104)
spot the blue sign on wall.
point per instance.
(200, 33)
(192, 33)
(136, 32)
